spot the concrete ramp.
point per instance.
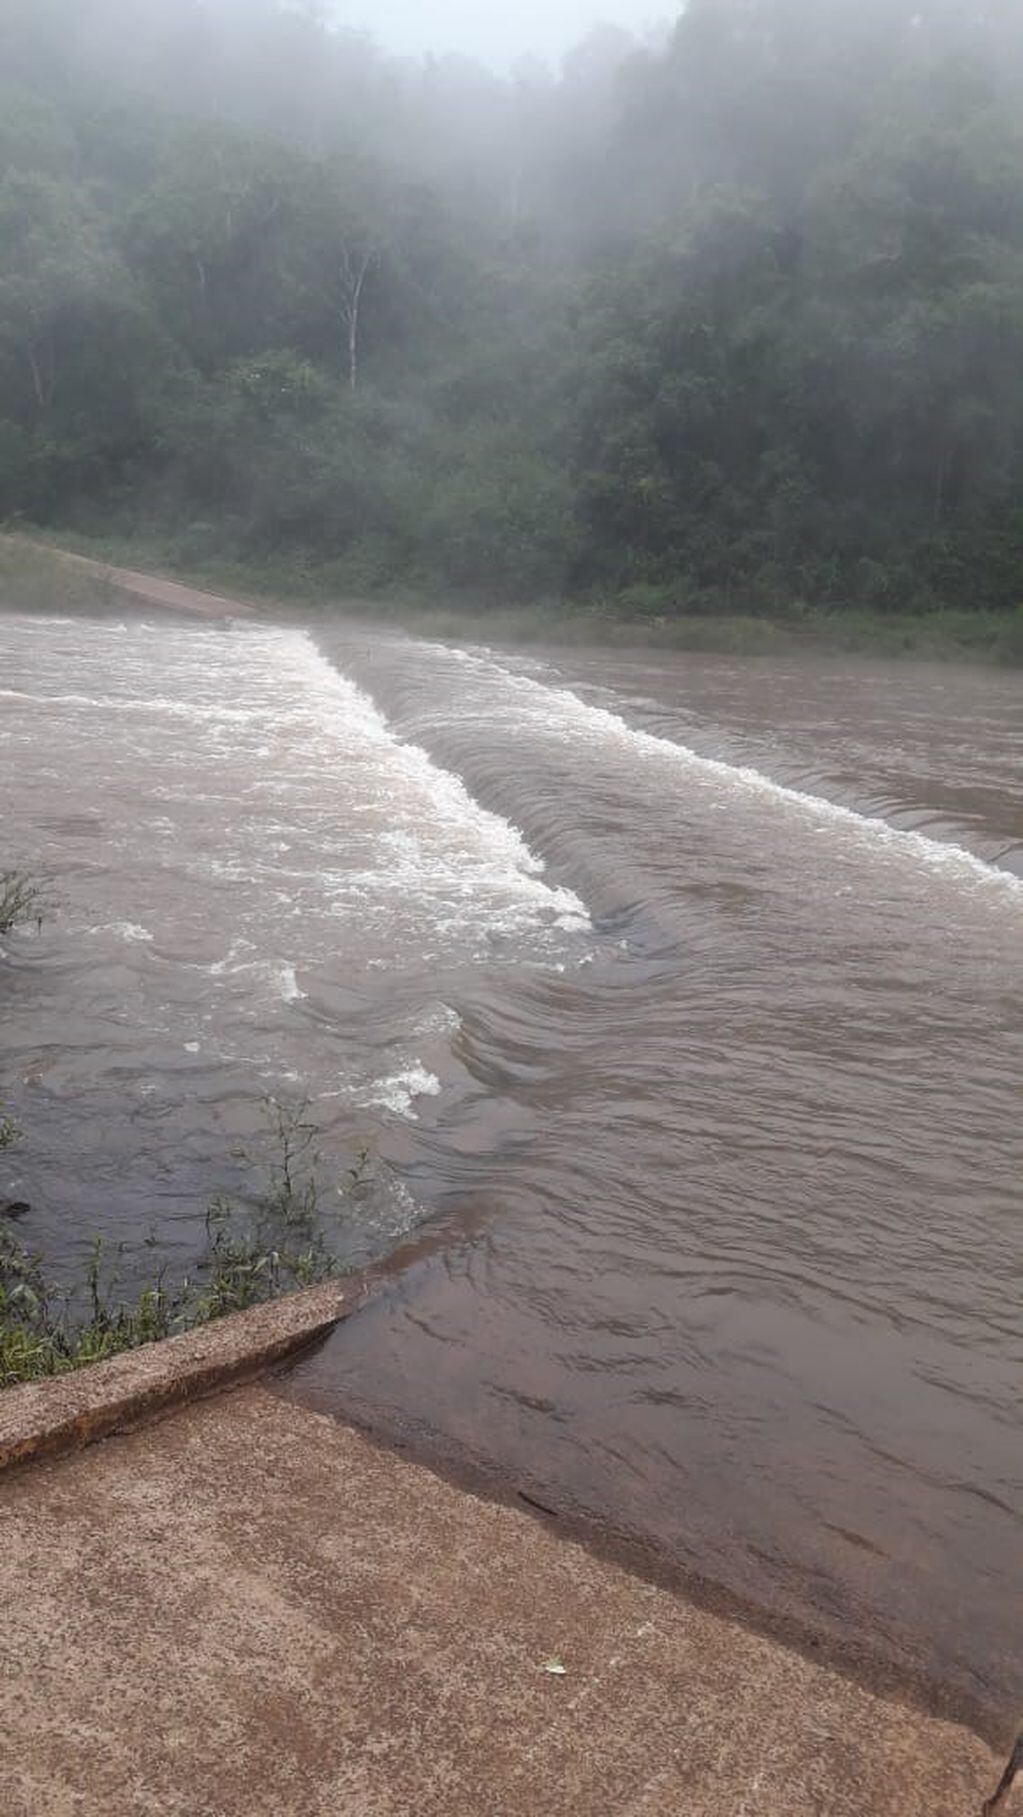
(249, 1609)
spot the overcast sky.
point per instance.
(496, 31)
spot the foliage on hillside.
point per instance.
(734, 324)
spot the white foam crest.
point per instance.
(148, 707)
(442, 1019)
(230, 961)
(480, 848)
(287, 983)
(278, 973)
(399, 1091)
(903, 841)
(125, 930)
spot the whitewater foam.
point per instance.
(595, 720)
(441, 844)
(287, 984)
(131, 931)
(399, 1092)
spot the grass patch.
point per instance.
(34, 579)
(639, 618)
(580, 626)
(22, 899)
(252, 1254)
(994, 637)
(986, 637)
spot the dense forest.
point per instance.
(729, 321)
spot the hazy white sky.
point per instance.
(496, 33)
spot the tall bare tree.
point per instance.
(356, 266)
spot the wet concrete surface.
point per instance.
(67, 1412)
(250, 1608)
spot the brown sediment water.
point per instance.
(685, 993)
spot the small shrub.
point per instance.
(252, 1255)
(22, 900)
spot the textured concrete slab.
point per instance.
(252, 1609)
(42, 1419)
(172, 594)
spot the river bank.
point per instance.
(34, 576)
(290, 589)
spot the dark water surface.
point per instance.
(686, 992)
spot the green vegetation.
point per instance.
(251, 1255)
(693, 338)
(23, 900)
(34, 579)
(307, 591)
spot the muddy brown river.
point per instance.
(677, 999)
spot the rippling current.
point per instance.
(684, 995)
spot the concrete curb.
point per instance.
(66, 1412)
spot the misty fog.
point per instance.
(724, 321)
(501, 37)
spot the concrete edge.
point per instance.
(67, 1412)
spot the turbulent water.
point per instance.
(684, 994)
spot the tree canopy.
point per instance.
(728, 321)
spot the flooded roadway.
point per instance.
(684, 994)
